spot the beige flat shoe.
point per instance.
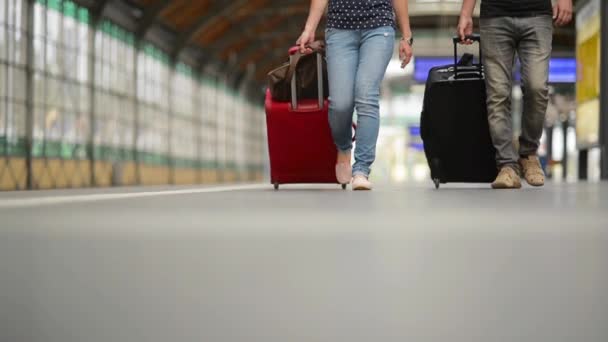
(361, 182)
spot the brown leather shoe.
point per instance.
(532, 171)
(507, 179)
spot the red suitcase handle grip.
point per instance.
(293, 50)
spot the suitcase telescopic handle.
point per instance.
(294, 93)
(472, 37)
(456, 40)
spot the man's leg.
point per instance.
(534, 53)
(498, 44)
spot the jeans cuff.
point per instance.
(360, 173)
(345, 148)
(528, 153)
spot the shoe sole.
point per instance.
(361, 188)
(506, 187)
(535, 185)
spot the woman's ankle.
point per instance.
(344, 157)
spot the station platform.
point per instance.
(306, 263)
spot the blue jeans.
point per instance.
(356, 64)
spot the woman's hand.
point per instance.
(306, 38)
(405, 53)
(317, 7)
(403, 18)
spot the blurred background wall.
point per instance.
(85, 103)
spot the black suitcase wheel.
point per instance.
(343, 186)
(437, 183)
(276, 186)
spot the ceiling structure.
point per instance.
(242, 39)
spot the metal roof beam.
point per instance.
(150, 17)
(204, 23)
(281, 37)
(98, 10)
(253, 21)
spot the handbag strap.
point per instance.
(316, 46)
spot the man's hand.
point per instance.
(465, 28)
(562, 12)
(405, 53)
(306, 38)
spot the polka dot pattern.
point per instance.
(360, 14)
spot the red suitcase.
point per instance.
(300, 144)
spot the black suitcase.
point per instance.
(454, 123)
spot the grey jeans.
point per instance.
(531, 38)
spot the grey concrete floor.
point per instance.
(307, 263)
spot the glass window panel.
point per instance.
(9, 53)
(52, 121)
(83, 67)
(18, 84)
(39, 18)
(104, 76)
(3, 5)
(51, 58)
(19, 14)
(69, 128)
(72, 64)
(114, 50)
(39, 54)
(82, 128)
(51, 91)
(18, 54)
(4, 48)
(3, 115)
(39, 115)
(83, 36)
(69, 92)
(98, 73)
(9, 118)
(53, 24)
(70, 32)
(105, 47)
(3, 80)
(10, 8)
(140, 89)
(98, 44)
(84, 99)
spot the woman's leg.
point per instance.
(376, 51)
(342, 61)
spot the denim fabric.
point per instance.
(531, 39)
(356, 63)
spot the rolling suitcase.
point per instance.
(454, 123)
(300, 144)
